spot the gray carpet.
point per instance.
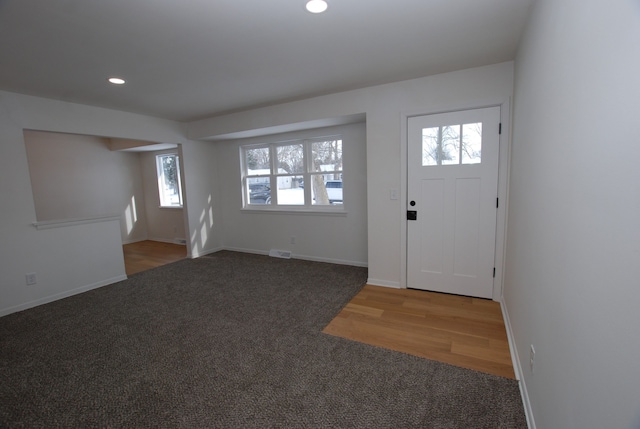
(229, 340)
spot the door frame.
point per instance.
(503, 182)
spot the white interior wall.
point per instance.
(77, 176)
(72, 258)
(572, 281)
(327, 237)
(384, 106)
(163, 223)
(202, 197)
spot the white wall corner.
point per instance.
(515, 360)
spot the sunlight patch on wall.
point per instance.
(199, 239)
(210, 213)
(131, 215)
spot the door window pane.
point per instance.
(430, 145)
(452, 144)
(472, 143)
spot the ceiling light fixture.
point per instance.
(116, 81)
(316, 6)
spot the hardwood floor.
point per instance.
(462, 331)
(143, 255)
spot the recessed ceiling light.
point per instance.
(316, 6)
(116, 81)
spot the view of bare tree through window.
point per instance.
(452, 144)
(291, 158)
(327, 157)
(258, 159)
(317, 163)
(169, 187)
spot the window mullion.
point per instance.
(440, 149)
(273, 178)
(307, 169)
(460, 145)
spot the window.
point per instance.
(300, 173)
(452, 144)
(169, 186)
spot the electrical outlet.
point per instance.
(292, 240)
(31, 278)
(532, 356)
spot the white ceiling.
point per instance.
(190, 59)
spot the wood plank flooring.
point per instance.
(143, 255)
(462, 331)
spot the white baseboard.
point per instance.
(244, 250)
(299, 256)
(384, 283)
(515, 359)
(61, 295)
(169, 240)
(134, 241)
(198, 253)
(329, 260)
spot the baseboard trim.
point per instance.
(176, 240)
(299, 256)
(203, 252)
(515, 359)
(383, 283)
(61, 295)
(329, 260)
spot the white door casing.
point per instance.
(453, 181)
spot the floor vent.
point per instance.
(285, 254)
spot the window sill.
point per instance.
(171, 207)
(294, 211)
(61, 223)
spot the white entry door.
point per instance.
(452, 201)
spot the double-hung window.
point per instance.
(293, 174)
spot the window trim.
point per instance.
(308, 207)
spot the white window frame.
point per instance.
(164, 199)
(306, 175)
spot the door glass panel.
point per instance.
(472, 143)
(430, 146)
(452, 144)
